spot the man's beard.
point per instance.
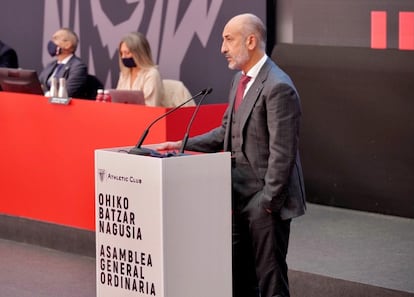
(239, 60)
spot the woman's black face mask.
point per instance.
(129, 62)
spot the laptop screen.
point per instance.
(127, 96)
(20, 81)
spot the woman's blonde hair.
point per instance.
(140, 49)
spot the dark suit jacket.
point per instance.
(8, 56)
(75, 72)
(270, 120)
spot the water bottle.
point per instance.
(107, 96)
(63, 92)
(53, 92)
(100, 95)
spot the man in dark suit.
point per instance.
(63, 46)
(8, 56)
(262, 133)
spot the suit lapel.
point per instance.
(253, 94)
(51, 69)
(234, 89)
(250, 99)
(232, 96)
(67, 67)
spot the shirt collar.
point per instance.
(66, 60)
(254, 71)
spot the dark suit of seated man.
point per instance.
(67, 65)
(8, 56)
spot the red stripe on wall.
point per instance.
(406, 30)
(379, 29)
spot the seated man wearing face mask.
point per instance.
(63, 46)
(138, 71)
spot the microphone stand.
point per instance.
(138, 150)
(186, 135)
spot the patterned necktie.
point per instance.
(58, 70)
(55, 74)
(240, 90)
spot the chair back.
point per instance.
(91, 87)
(175, 92)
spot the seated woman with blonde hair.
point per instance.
(137, 69)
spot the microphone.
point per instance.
(186, 135)
(138, 150)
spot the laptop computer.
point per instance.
(127, 96)
(20, 81)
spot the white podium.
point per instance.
(163, 225)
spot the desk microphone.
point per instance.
(138, 150)
(186, 135)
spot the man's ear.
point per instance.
(66, 46)
(251, 42)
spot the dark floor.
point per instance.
(333, 252)
(33, 271)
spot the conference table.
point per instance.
(47, 151)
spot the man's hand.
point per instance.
(169, 145)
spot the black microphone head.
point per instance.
(209, 90)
